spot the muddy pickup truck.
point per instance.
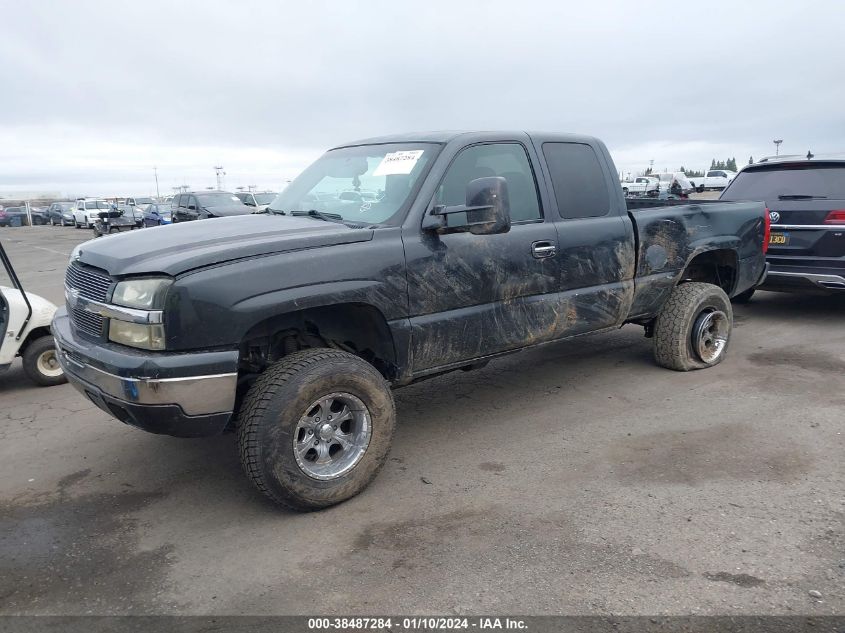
(291, 327)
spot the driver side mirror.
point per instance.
(487, 209)
(192, 207)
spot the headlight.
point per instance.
(140, 335)
(147, 294)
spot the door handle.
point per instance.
(543, 249)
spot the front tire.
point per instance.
(693, 328)
(41, 364)
(315, 428)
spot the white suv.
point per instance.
(258, 200)
(86, 212)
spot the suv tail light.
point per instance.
(767, 232)
(835, 217)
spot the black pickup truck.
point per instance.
(385, 262)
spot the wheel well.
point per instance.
(718, 267)
(354, 327)
(33, 335)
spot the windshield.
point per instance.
(221, 199)
(368, 184)
(144, 200)
(97, 204)
(766, 184)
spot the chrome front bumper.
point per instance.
(195, 395)
(185, 395)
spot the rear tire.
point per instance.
(744, 297)
(40, 362)
(693, 328)
(275, 422)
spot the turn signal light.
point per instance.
(835, 217)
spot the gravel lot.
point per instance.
(574, 478)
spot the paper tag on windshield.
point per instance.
(398, 162)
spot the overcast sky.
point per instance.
(94, 94)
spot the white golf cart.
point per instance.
(25, 331)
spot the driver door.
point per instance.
(476, 295)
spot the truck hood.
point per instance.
(178, 248)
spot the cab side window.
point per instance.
(578, 181)
(507, 160)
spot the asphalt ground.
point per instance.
(575, 478)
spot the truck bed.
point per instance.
(668, 238)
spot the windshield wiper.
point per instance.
(800, 196)
(313, 213)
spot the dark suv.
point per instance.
(806, 201)
(200, 205)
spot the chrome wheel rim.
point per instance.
(332, 436)
(710, 335)
(48, 364)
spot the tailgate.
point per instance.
(802, 229)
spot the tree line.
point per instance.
(729, 165)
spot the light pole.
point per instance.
(777, 143)
(218, 171)
(155, 171)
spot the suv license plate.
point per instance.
(778, 239)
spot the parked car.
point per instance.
(4, 219)
(258, 200)
(139, 202)
(668, 186)
(136, 208)
(294, 325)
(87, 211)
(60, 213)
(641, 186)
(157, 214)
(713, 179)
(806, 201)
(18, 215)
(200, 205)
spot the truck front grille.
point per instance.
(90, 283)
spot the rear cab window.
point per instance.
(578, 180)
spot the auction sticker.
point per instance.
(398, 162)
